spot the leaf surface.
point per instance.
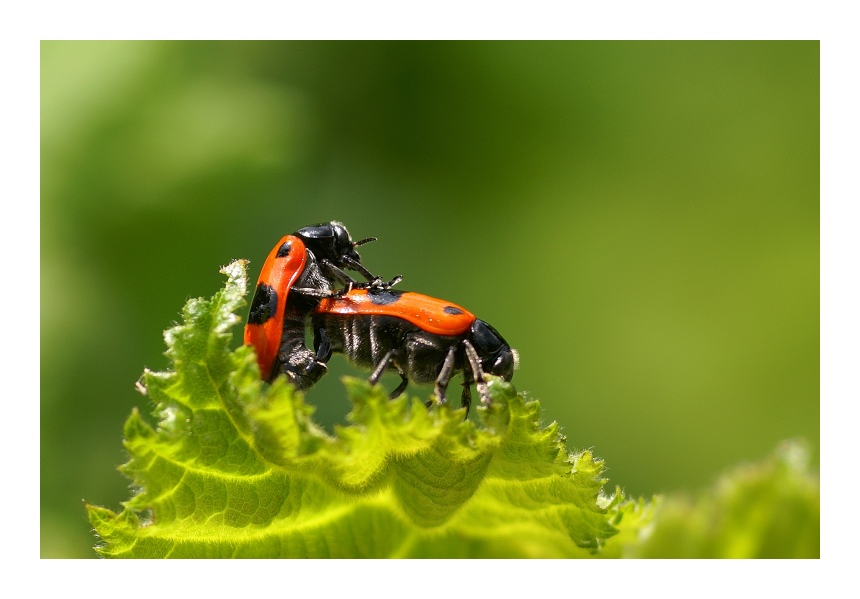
(238, 468)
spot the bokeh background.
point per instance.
(640, 220)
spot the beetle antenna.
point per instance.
(363, 241)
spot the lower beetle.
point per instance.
(423, 339)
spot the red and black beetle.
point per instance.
(423, 339)
(299, 271)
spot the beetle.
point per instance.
(300, 270)
(422, 338)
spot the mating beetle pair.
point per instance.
(423, 339)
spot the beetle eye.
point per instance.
(504, 365)
(341, 235)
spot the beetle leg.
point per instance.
(378, 283)
(444, 375)
(308, 375)
(322, 345)
(305, 368)
(403, 382)
(477, 372)
(301, 367)
(466, 397)
(380, 368)
(374, 282)
(344, 279)
(314, 292)
(356, 266)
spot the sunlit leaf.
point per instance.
(238, 468)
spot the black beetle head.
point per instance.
(496, 355)
(331, 241)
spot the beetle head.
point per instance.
(496, 355)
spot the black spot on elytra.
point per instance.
(452, 310)
(285, 248)
(384, 297)
(264, 304)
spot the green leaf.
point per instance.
(770, 509)
(238, 468)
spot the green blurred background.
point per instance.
(640, 220)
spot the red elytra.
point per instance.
(430, 314)
(285, 264)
